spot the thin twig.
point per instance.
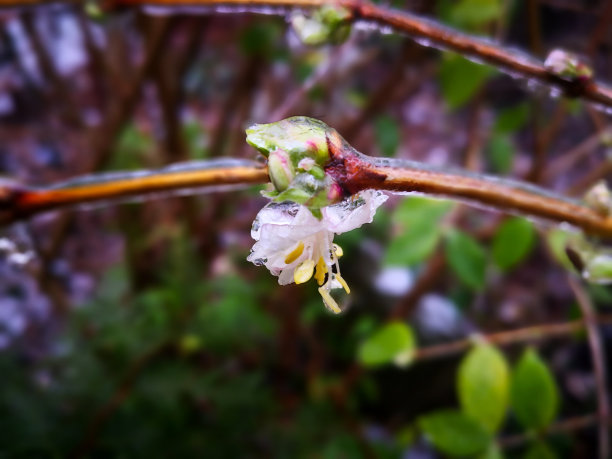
(570, 158)
(565, 426)
(521, 335)
(510, 60)
(599, 363)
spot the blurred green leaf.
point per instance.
(600, 294)
(500, 153)
(420, 221)
(454, 433)
(230, 318)
(473, 13)
(534, 393)
(539, 450)
(482, 384)
(196, 139)
(512, 119)
(492, 452)
(467, 258)
(133, 148)
(460, 79)
(513, 241)
(387, 133)
(416, 208)
(557, 240)
(406, 436)
(260, 38)
(393, 342)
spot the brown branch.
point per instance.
(438, 35)
(355, 172)
(599, 363)
(16, 203)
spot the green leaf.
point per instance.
(482, 384)
(460, 79)
(454, 433)
(540, 450)
(492, 452)
(387, 133)
(416, 208)
(534, 393)
(513, 242)
(467, 258)
(473, 13)
(393, 342)
(557, 240)
(500, 152)
(419, 219)
(511, 119)
(413, 246)
(259, 39)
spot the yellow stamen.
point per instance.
(303, 272)
(321, 271)
(338, 250)
(329, 301)
(295, 253)
(343, 283)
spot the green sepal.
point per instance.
(297, 152)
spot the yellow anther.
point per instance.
(338, 250)
(329, 302)
(320, 271)
(343, 283)
(303, 272)
(295, 253)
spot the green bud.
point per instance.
(593, 261)
(297, 152)
(598, 269)
(280, 169)
(94, 11)
(328, 24)
(567, 65)
(599, 198)
(300, 136)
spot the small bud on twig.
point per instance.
(328, 24)
(568, 66)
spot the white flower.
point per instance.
(295, 246)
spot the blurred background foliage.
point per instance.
(140, 330)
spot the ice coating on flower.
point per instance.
(299, 136)
(297, 149)
(296, 246)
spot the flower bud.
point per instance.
(300, 136)
(297, 152)
(598, 269)
(328, 24)
(599, 198)
(280, 169)
(568, 66)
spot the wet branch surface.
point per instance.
(353, 171)
(427, 31)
